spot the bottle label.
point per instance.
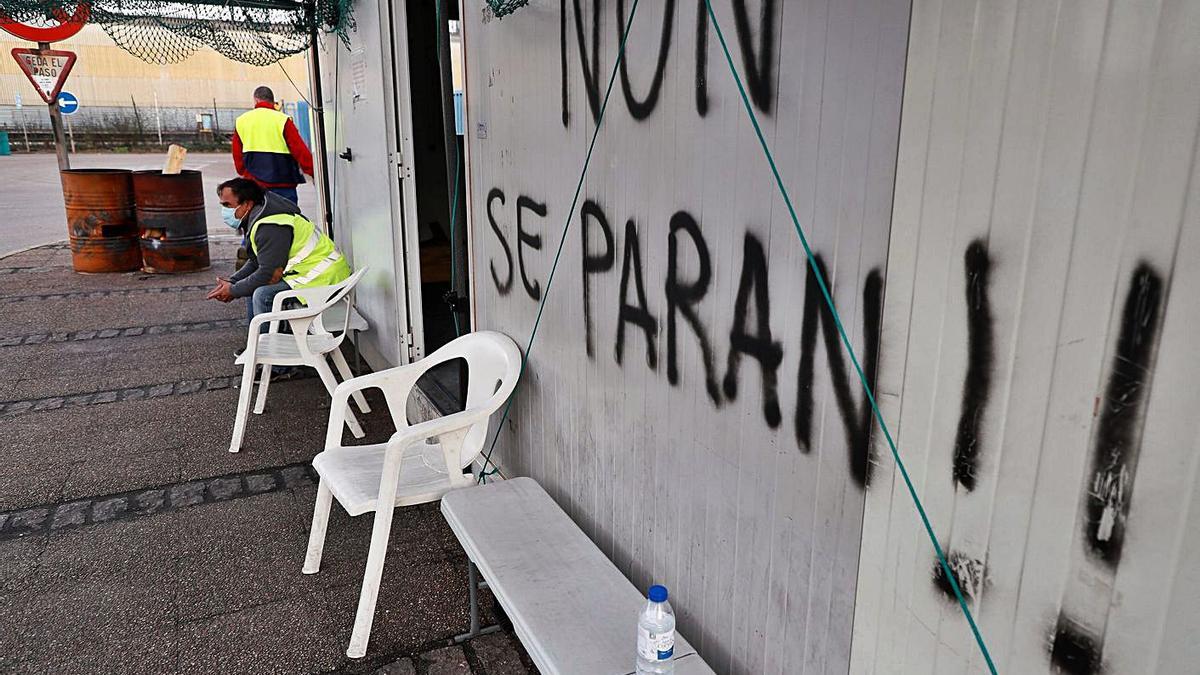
(656, 646)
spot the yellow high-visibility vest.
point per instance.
(313, 260)
(265, 151)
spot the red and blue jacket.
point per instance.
(268, 149)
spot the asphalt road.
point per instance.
(31, 201)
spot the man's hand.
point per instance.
(223, 291)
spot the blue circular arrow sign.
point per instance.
(67, 103)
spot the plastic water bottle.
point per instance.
(656, 634)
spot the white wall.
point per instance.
(706, 487)
(1039, 362)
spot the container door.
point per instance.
(371, 185)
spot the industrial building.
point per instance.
(127, 101)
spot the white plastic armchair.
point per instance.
(308, 344)
(407, 469)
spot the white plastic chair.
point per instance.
(407, 470)
(309, 344)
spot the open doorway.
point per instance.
(438, 167)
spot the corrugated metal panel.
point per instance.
(688, 460)
(1038, 357)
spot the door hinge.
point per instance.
(412, 348)
(402, 169)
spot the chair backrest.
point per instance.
(321, 298)
(493, 366)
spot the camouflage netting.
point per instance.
(258, 32)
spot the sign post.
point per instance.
(47, 69)
(68, 105)
(24, 128)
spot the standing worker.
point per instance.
(268, 149)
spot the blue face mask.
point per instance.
(230, 219)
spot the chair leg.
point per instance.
(320, 522)
(339, 360)
(331, 383)
(370, 588)
(243, 408)
(264, 381)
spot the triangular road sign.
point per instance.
(47, 69)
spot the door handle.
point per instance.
(347, 155)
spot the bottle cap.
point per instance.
(658, 593)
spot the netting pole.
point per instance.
(317, 104)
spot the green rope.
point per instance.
(487, 457)
(837, 320)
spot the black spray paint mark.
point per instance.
(533, 241)
(591, 73)
(758, 345)
(502, 286)
(592, 263)
(682, 299)
(1075, 651)
(701, 58)
(981, 350)
(760, 76)
(562, 61)
(637, 314)
(968, 572)
(1119, 430)
(640, 110)
(758, 67)
(857, 419)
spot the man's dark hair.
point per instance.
(244, 189)
(264, 94)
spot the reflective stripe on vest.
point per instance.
(313, 258)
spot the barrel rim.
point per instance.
(158, 173)
(96, 172)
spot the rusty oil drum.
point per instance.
(170, 217)
(100, 220)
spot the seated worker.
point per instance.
(286, 249)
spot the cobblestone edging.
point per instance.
(42, 269)
(180, 388)
(212, 239)
(131, 331)
(147, 391)
(150, 501)
(121, 293)
(35, 270)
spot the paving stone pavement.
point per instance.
(132, 541)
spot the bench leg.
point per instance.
(476, 631)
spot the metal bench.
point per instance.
(570, 606)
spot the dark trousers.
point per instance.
(288, 193)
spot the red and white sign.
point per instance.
(47, 69)
(64, 26)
